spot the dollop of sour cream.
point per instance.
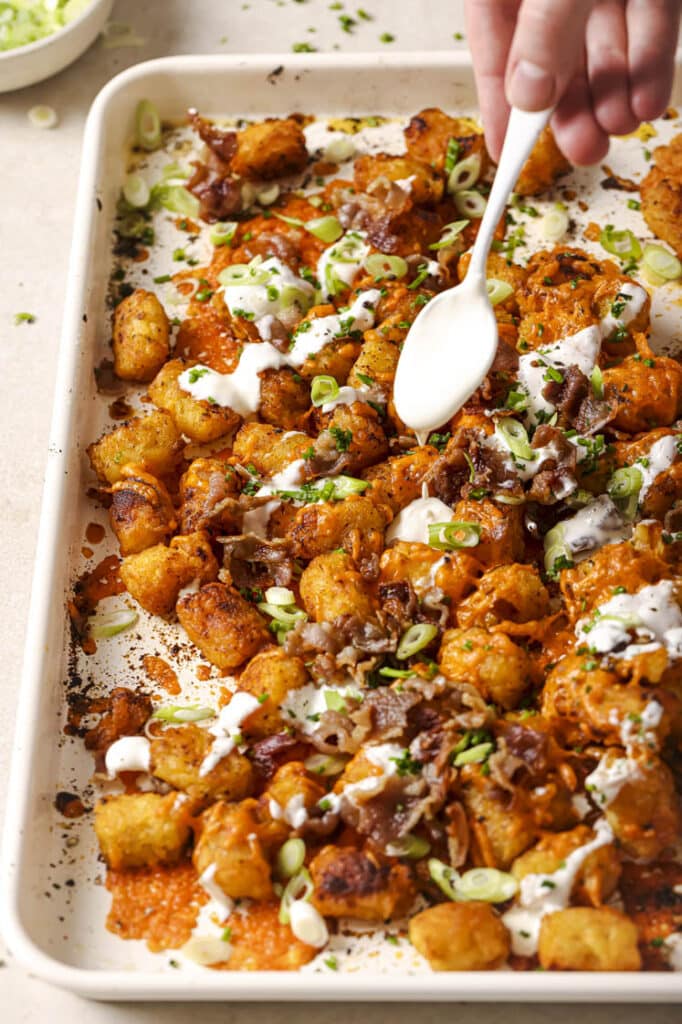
(265, 299)
(542, 894)
(632, 624)
(412, 523)
(595, 525)
(128, 754)
(227, 729)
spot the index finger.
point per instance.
(490, 30)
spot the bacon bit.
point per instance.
(94, 533)
(615, 181)
(69, 805)
(324, 167)
(592, 232)
(159, 905)
(160, 672)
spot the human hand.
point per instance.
(606, 64)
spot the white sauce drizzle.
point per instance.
(128, 754)
(580, 349)
(305, 704)
(323, 329)
(673, 948)
(412, 523)
(652, 614)
(545, 894)
(353, 250)
(347, 395)
(632, 307)
(226, 729)
(608, 778)
(659, 458)
(597, 524)
(265, 300)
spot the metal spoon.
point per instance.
(451, 345)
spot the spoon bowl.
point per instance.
(451, 345)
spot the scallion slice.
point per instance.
(147, 126)
(556, 549)
(498, 291)
(280, 596)
(414, 847)
(346, 485)
(243, 274)
(454, 535)
(136, 191)
(622, 244)
(554, 224)
(299, 887)
(451, 233)
(177, 713)
(107, 624)
(339, 150)
(175, 199)
(597, 382)
(223, 232)
(415, 638)
(327, 229)
(662, 262)
(470, 203)
(487, 884)
(42, 116)
(473, 755)
(625, 482)
(325, 764)
(288, 615)
(334, 701)
(380, 266)
(444, 876)
(515, 437)
(268, 194)
(323, 389)
(290, 858)
(464, 174)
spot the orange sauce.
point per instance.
(260, 943)
(100, 582)
(87, 552)
(160, 672)
(203, 673)
(94, 533)
(159, 905)
(187, 224)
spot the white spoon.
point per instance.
(451, 345)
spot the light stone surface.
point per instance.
(39, 174)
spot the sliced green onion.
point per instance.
(280, 596)
(454, 535)
(243, 273)
(323, 389)
(327, 229)
(290, 858)
(470, 204)
(289, 616)
(444, 876)
(136, 191)
(464, 174)
(334, 701)
(267, 195)
(300, 887)
(339, 150)
(451, 154)
(42, 116)
(177, 713)
(487, 884)
(498, 291)
(410, 846)
(325, 764)
(662, 262)
(147, 126)
(350, 249)
(510, 499)
(346, 485)
(474, 755)
(379, 266)
(554, 224)
(625, 482)
(517, 400)
(294, 222)
(223, 232)
(451, 233)
(620, 243)
(556, 548)
(175, 199)
(515, 437)
(597, 382)
(107, 624)
(415, 639)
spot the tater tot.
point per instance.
(460, 937)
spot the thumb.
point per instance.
(547, 48)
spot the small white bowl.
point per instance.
(26, 65)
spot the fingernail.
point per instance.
(531, 87)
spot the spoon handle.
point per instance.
(523, 131)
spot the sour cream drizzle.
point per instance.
(226, 729)
(128, 754)
(412, 523)
(660, 457)
(264, 301)
(652, 615)
(545, 894)
(240, 390)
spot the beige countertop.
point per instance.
(39, 174)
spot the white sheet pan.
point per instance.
(52, 910)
